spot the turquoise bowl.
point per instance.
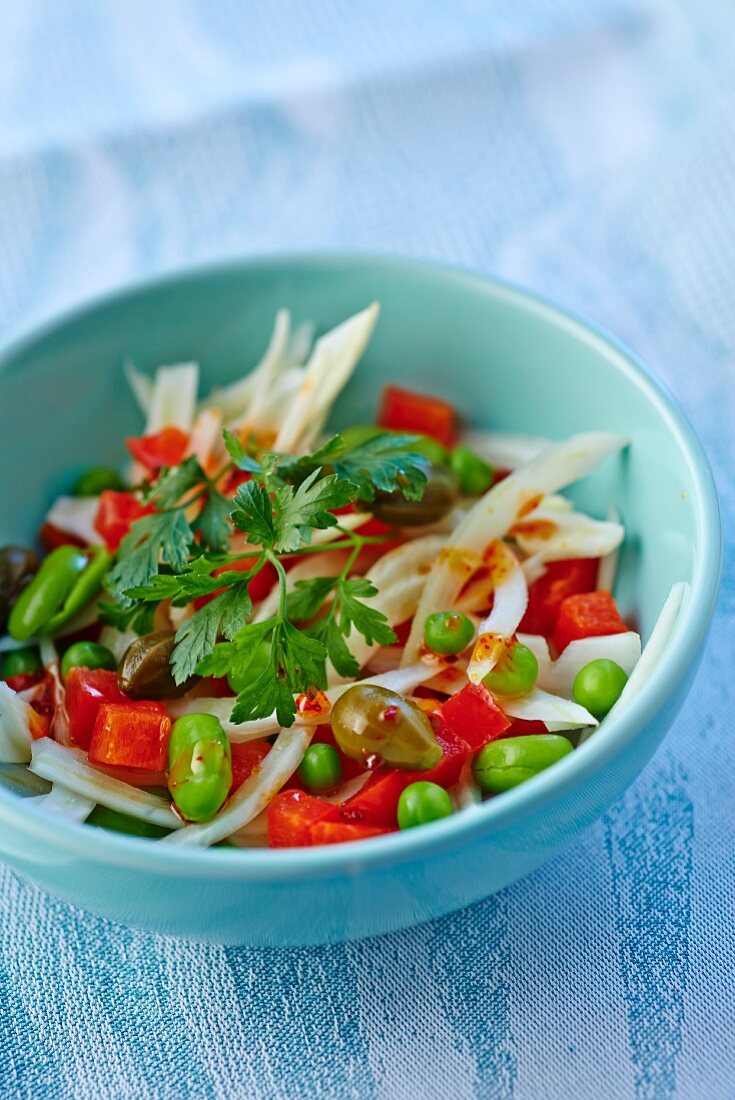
(507, 360)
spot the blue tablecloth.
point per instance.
(585, 148)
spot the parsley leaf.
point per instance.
(384, 462)
(138, 618)
(368, 621)
(163, 536)
(253, 513)
(197, 637)
(299, 511)
(173, 483)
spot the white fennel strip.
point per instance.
(328, 370)
(174, 398)
(60, 718)
(608, 570)
(504, 450)
(60, 800)
(255, 793)
(141, 386)
(509, 607)
(75, 516)
(70, 768)
(540, 649)
(15, 727)
(539, 706)
(548, 535)
(655, 646)
(558, 676)
(495, 513)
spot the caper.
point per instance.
(373, 725)
(18, 566)
(145, 669)
(440, 493)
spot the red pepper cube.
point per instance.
(339, 832)
(86, 690)
(246, 759)
(377, 801)
(590, 615)
(291, 815)
(545, 595)
(473, 715)
(116, 513)
(131, 735)
(165, 448)
(406, 411)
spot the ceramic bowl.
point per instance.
(507, 360)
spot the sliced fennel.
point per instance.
(495, 513)
(558, 676)
(539, 706)
(509, 607)
(70, 768)
(503, 450)
(75, 516)
(15, 720)
(174, 398)
(60, 800)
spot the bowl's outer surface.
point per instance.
(508, 361)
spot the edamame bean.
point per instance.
(200, 768)
(95, 480)
(39, 602)
(448, 632)
(512, 760)
(598, 686)
(87, 655)
(321, 769)
(475, 475)
(422, 802)
(83, 591)
(20, 662)
(515, 673)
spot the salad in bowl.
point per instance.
(260, 634)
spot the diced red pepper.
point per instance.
(24, 680)
(165, 448)
(131, 735)
(50, 537)
(545, 596)
(589, 615)
(474, 715)
(338, 832)
(407, 411)
(291, 815)
(116, 513)
(247, 758)
(86, 690)
(377, 801)
(258, 587)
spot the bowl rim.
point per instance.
(491, 816)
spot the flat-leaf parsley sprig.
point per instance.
(170, 556)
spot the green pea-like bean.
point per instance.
(512, 760)
(39, 602)
(200, 768)
(87, 655)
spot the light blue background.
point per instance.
(583, 147)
